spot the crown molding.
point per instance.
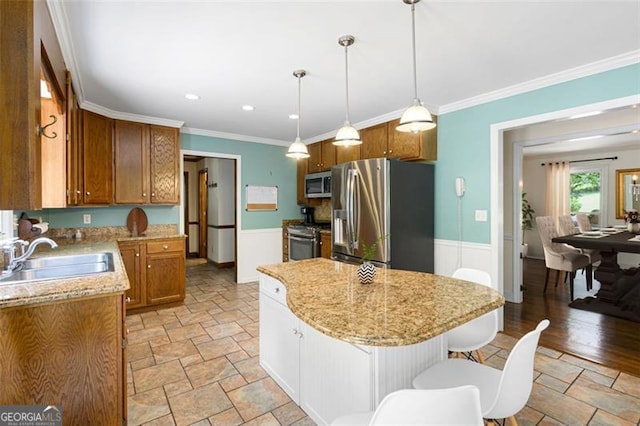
(89, 106)
(608, 64)
(61, 27)
(233, 136)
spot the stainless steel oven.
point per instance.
(304, 242)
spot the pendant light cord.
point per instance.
(413, 42)
(298, 126)
(346, 74)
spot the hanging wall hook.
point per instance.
(42, 129)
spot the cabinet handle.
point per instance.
(390, 151)
(88, 193)
(165, 247)
(295, 331)
(137, 254)
(153, 194)
(148, 266)
(300, 335)
(384, 152)
(128, 299)
(144, 194)
(78, 192)
(277, 289)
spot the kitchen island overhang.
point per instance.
(398, 308)
(336, 346)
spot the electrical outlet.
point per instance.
(86, 219)
(481, 215)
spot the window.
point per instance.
(586, 188)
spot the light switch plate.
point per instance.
(481, 215)
(86, 219)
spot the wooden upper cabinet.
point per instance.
(131, 157)
(97, 159)
(322, 156)
(301, 172)
(165, 165)
(348, 153)
(146, 164)
(374, 141)
(411, 146)
(314, 162)
(28, 38)
(74, 163)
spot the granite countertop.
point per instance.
(46, 291)
(398, 308)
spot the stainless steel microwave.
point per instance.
(317, 185)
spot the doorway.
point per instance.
(211, 215)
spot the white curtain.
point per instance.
(557, 201)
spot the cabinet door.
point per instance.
(132, 255)
(165, 165)
(131, 154)
(315, 157)
(336, 377)
(347, 153)
(328, 154)
(165, 271)
(374, 141)
(325, 245)
(279, 345)
(54, 159)
(97, 159)
(74, 164)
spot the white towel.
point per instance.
(42, 226)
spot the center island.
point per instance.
(337, 346)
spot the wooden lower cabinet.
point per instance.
(69, 354)
(325, 245)
(156, 271)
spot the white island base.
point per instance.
(328, 377)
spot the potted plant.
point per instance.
(367, 271)
(527, 221)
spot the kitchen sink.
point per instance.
(61, 267)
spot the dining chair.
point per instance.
(567, 227)
(561, 257)
(458, 405)
(584, 224)
(479, 332)
(502, 393)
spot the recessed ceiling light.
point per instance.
(585, 114)
(192, 97)
(248, 107)
(293, 116)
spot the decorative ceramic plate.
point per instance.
(592, 233)
(620, 226)
(608, 230)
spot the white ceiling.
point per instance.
(141, 57)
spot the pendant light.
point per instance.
(416, 118)
(298, 149)
(347, 134)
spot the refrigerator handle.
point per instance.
(352, 233)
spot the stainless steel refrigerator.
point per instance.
(386, 202)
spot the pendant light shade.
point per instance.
(347, 135)
(416, 118)
(298, 149)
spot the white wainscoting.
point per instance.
(451, 255)
(257, 247)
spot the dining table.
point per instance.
(619, 292)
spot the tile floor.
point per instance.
(198, 364)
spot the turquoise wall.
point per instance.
(262, 164)
(464, 143)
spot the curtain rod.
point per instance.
(582, 161)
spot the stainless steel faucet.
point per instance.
(11, 261)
